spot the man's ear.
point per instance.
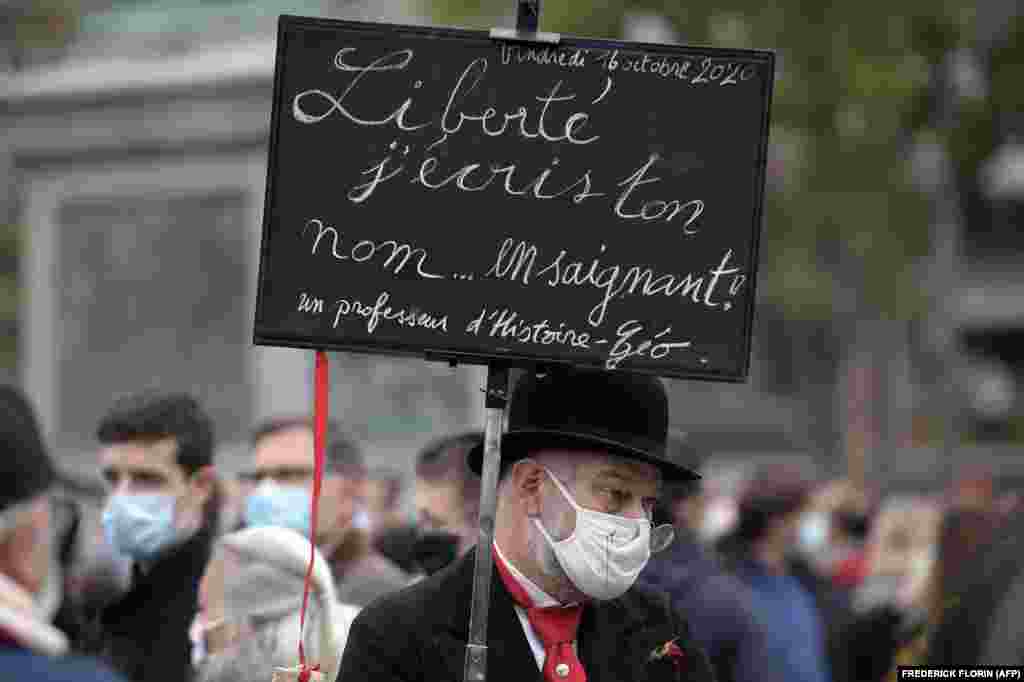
(527, 477)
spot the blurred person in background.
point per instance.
(100, 576)
(250, 609)
(718, 605)
(279, 493)
(974, 489)
(391, 532)
(975, 613)
(762, 553)
(901, 551)
(891, 605)
(232, 493)
(447, 501)
(70, 617)
(382, 495)
(718, 514)
(157, 459)
(834, 531)
(31, 649)
(1003, 638)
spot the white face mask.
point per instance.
(361, 519)
(813, 538)
(605, 552)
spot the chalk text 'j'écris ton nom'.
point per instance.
(556, 116)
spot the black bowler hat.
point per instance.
(615, 412)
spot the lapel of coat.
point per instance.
(616, 640)
(508, 653)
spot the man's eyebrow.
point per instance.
(612, 473)
(148, 474)
(110, 473)
(616, 476)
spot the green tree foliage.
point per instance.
(845, 225)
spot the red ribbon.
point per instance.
(319, 435)
(306, 673)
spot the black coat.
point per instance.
(145, 633)
(419, 634)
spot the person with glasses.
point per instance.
(278, 492)
(31, 648)
(582, 463)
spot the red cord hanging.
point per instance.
(319, 434)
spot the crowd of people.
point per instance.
(201, 577)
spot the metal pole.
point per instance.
(476, 649)
(475, 668)
(528, 16)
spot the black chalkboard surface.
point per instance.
(439, 193)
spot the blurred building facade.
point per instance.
(135, 157)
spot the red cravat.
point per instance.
(555, 625)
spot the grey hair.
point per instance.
(562, 464)
(272, 643)
(247, 662)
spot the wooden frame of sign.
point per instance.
(439, 193)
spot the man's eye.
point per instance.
(618, 496)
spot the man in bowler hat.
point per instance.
(582, 463)
(31, 649)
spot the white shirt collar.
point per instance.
(539, 597)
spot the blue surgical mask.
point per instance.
(140, 525)
(283, 506)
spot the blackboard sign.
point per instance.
(439, 193)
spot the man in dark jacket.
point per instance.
(698, 586)
(582, 461)
(31, 650)
(157, 457)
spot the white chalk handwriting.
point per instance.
(380, 310)
(692, 70)
(570, 58)
(310, 304)
(556, 115)
(630, 340)
(630, 343)
(399, 255)
(517, 261)
(503, 323)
